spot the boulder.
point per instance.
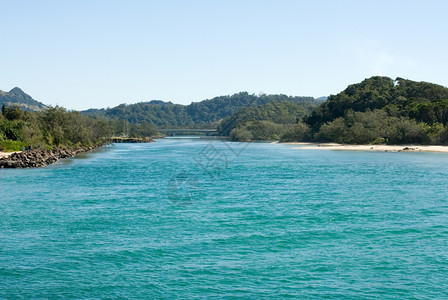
(40, 158)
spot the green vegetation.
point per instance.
(124, 128)
(271, 121)
(52, 127)
(155, 112)
(204, 114)
(379, 110)
(376, 127)
(382, 110)
(267, 131)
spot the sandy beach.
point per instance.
(383, 148)
(5, 154)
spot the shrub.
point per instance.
(8, 145)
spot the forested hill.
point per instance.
(213, 110)
(378, 110)
(383, 110)
(265, 121)
(195, 114)
(401, 97)
(17, 97)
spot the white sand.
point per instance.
(384, 148)
(6, 154)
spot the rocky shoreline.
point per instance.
(40, 158)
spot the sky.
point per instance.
(96, 54)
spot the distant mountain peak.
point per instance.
(16, 91)
(18, 97)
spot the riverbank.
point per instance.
(381, 148)
(5, 154)
(131, 140)
(38, 158)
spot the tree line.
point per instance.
(379, 110)
(205, 114)
(271, 121)
(57, 127)
(383, 110)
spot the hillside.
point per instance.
(17, 97)
(265, 122)
(377, 93)
(197, 114)
(216, 109)
(383, 110)
(378, 110)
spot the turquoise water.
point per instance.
(192, 218)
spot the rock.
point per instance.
(40, 158)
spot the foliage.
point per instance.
(297, 132)
(382, 110)
(275, 112)
(12, 145)
(214, 110)
(432, 112)
(143, 129)
(196, 115)
(399, 96)
(379, 110)
(52, 127)
(373, 127)
(160, 114)
(259, 131)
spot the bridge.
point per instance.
(187, 131)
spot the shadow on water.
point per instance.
(83, 156)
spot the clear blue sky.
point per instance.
(100, 53)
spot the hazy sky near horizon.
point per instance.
(82, 54)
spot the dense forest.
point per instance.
(56, 126)
(379, 110)
(271, 121)
(204, 114)
(382, 110)
(52, 127)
